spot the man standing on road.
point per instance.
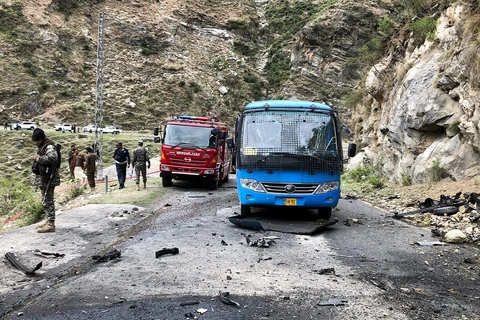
(46, 177)
(141, 161)
(122, 162)
(73, 147)
(90, 168)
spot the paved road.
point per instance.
(367, 265)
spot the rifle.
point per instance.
(51, 170)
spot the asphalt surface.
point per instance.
(367, 266)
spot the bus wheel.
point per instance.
(167, 182)
(325, 213)
(244, 210)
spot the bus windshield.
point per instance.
(293, 132)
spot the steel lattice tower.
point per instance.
(98, 145)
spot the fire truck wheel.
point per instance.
(213, 182)
(244, 210)
(227, 177)
(167, 182)
(324, 213)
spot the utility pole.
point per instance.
(98, 145)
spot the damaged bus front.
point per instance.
(289, 153)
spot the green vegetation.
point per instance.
(436, 171)
(18, 197)
(424, 28)
(405, 179)
(364, 177)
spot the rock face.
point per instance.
(414, 110)
(428, 111)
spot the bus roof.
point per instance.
(287, 103)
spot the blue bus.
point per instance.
(289, 154)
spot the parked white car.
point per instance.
(63, 127)
(112, 130)
(25, 125)
(90, 128)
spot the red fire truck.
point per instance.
(195, 148)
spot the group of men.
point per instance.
(140, 161)
(47, 161)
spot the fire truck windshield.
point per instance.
(178, 135)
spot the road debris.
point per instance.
(54, 254)
(325, 271)
(201, 310)
(17, 264)
(189, 303)
(430, 243)
(224, 297)
(114, 254)
(333, 302)
(164, 251)
(261, 242)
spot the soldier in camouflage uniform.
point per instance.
(141, 161)
(46, 177)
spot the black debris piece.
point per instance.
(166, 251)
(54, 254)
(224, 243)
(262, 242)
(224, 297)
(325, 271)
(189, 303)
(446, 205)
(108, 256)
(17, 264)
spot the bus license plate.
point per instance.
(290, 201)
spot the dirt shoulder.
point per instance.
(400, 199)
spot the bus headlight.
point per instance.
(327, 187)
(252, 185)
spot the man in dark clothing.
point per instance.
(141, 161)
(46, 177)
(122, 162)
(90, 168)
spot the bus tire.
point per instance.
(324, 213)
(245, 210)
(167, 182)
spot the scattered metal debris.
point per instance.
(445, 206)
(325, 271)
(262, 242)
(189, 303)
(43, 253)
(201, 310)
(166, 251)
(17, 264)
(334, 302)
(108, 256)
(224, 243)
(430, 243)
(264, 258)
(225, 299)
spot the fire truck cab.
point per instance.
(195, 148)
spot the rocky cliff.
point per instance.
(403, 74)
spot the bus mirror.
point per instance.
(215, 131)
(230, 143)
(223, 134)
(352, 150)
(156, 139)
(155, 131)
